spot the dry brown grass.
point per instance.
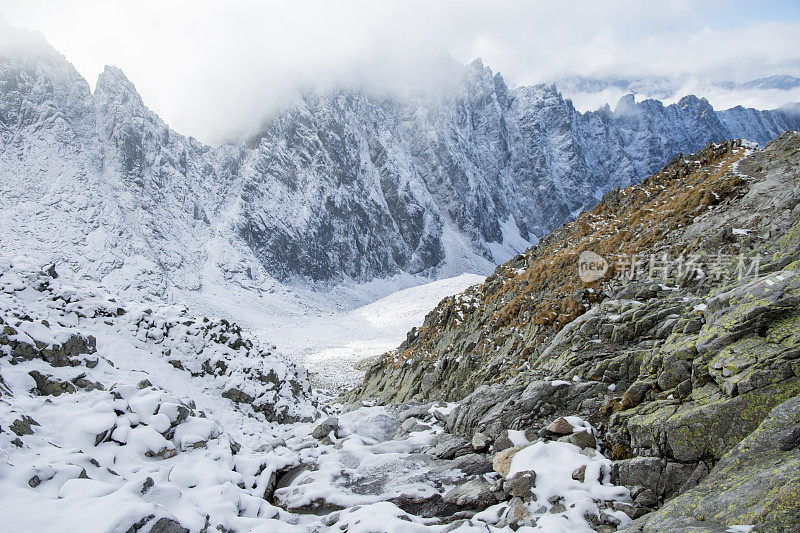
(629, 221)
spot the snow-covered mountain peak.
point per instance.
(112, 84)
(23, 44)
(626, 105)
(342, 185)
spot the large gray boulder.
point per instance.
(756, 483)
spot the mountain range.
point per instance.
(665, 88)
(339, 186)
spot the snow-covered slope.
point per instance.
(103, 400)
(346, 185)
(334, 346)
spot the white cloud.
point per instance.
(214, 69)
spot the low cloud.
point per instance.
(216, 69)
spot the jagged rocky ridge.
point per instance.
(339, 185)
(692, 381)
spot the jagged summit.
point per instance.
(27, 45)
(626, 105)
(113, 82)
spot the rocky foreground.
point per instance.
(125, 418)
(688, 371)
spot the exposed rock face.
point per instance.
(680, 373)
(535, 313)
(756, 482)
(339, 185)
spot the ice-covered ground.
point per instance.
(331, 332)
(331, 345)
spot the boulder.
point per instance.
(50, 386)
(579, 474)
(238, 396)
(582, 439)
(481, 441)
(410, 425)
(425, 505)
(502, 460)
(473, 464)
(644, 471)
(675, 476)
(449, 446)
(646, 498)
(560, 426)
(23, 426)
(633, 511)
(636, 393)
(326, 427)
(168, 525)
(673, 372)
(520, 484)
(502, 442)
(518, 514)
(406, 411)
(475, 494)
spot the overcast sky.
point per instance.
(214, 69)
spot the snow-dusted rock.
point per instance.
(150, 436)
(474, 494)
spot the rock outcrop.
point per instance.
(756, 482)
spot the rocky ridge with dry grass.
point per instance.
(690, 375)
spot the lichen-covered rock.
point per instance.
(673, 372)
(49, 386)
(755, 483)
(708, 427)
(23, 426)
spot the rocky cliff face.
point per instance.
(676, 366)
(341, 185)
